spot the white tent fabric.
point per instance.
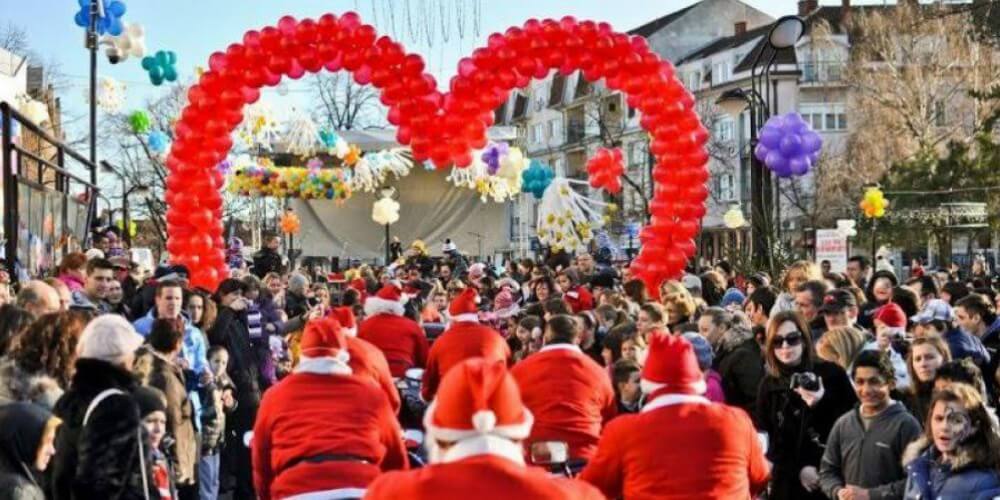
(432, 210)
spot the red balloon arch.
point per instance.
(441, 127)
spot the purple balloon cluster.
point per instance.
(788, 145)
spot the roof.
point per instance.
(724, 43)
(657, 24)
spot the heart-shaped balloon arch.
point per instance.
(441, 127)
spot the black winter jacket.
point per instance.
(102, 460)
(798, 433)
(741, 369)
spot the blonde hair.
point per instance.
(807, 270)
(841, 345)
(674, 295)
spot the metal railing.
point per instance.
(13, 157)
(822, 71)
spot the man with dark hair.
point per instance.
(809, 298)
(625, 376)
(924, 287)
(585, 401)
(554, 306)
(954, 291)
(858, 268)
(976, 316)
(100, 274)
(864, 450)
(759, 304)
(268, 260)
(839, 309)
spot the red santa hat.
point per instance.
(892, 316)
(465, 307)
(478, 406)
(345, 316)
(671, 366)
(324, 349)
(388, 300)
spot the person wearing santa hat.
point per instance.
(400, 339)
(323, 431)
(474, 431)
(465, 338)
(680, 445)
(366, 359)
(585, 399)
(890, 330)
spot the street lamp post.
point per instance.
(757, 101)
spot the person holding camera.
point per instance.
(863, 457)
(799, 399)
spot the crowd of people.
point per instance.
(282, 383)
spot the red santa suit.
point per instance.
(400, 339)
(479, 411)
(579, 299)
(322, 429)
(465, 338)
(584, 403)
(366, 359)
(680, 445)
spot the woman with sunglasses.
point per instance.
(796, 413)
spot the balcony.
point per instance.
(576, 131)
(822, 72)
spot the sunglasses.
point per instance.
(790, 340)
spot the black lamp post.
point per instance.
(387, 192)
(758, 102)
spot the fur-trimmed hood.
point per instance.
(733, 338)
(924, 448)
(19, 385)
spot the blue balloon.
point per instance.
(788, 145)
(536, 178)
(791, 145)
(770, 137)
(811, 142)
(110, 24)
(157, 141)
(799, 165)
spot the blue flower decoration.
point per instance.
(161, 66)
(328, 137)
(536, 178)
(110, 24)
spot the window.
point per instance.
(559, 167)
(842, 121)
(724, 130)
(724, 187)
(828, 117)
(831, 121)
(721, 72)
(536, 132)
(637, 153)
(555, 128)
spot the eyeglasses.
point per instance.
(790, 340)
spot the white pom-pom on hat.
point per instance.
(484, 421)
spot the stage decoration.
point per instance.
(302, 135)
(259, 127)
(788, 145)
(130, 43)
(874, 203)
(373, 169)
(161, 67)
(567, 220)
(537, 178)
(290, 223)
(495, 173)
(605, 170)
(385, 211)
(445, 128)
(289, 182)
(111, 23)
(157, 141)
(139, 122)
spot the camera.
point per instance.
(806, 380)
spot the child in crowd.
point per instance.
(625, 377)
(218, 399)
(153, 412)
(713, 381)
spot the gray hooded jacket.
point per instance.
(870, 458)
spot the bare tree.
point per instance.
(14, 39)
(722, 147)
(344, 104)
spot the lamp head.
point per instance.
(786, 31)
(733, 101)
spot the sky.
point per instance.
(194, 29)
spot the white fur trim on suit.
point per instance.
(377, 305)
(649, 387)
(485, 445)
(325, 365)
(674, 399)
(514, 431)
(465, 317)
(564, 347)
(337, 494)
(350, 332)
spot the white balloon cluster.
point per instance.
(847, 227)
(733, 218)
(301, 136)
(567, 219)
(501, 186)
(385, 211)
(132, 42)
